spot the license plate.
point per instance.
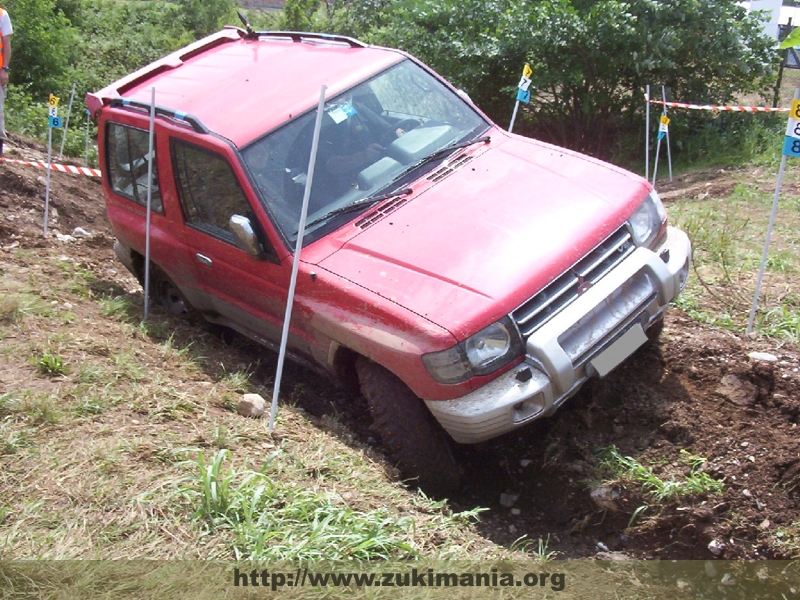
(608, 359)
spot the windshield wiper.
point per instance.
(484, 139)
(363, 203)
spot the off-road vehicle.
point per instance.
(469, 280)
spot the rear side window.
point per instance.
(126, 158)
(209, 190)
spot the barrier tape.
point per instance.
(710, 107)
(54, 167)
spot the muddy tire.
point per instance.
(412, 437)
(167, 294)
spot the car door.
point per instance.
(248, 293)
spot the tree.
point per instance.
(591, 59)
(202, 17)
(43, 45)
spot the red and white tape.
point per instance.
(55, 167)
(711, 107)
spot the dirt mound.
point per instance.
(700, 404)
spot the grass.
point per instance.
(51, 365)
(728, 231)
(659, 490)
(107, 421)
(273, 520)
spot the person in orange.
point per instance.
(5, 59)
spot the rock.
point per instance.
(612, 556)
(605, 497)
(252, 405)
(763, 356)
(64, 238)
(716, 547)
(508, 500)
(81, 232)
(711, 572)
(737, 391)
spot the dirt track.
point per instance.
(695, 391)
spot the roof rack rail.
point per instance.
(196, 124)
(299, 36)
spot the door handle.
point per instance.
(204, 260)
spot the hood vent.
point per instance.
(384, 210)
(448, 169)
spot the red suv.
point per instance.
(469, 279)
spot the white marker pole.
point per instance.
(655, 161)
(763, 267)
(513, 117)
(647, 133)
(296, 258)
(150, 154)
(66, 122)
(86, 141)
(47, 182)
(669, 153)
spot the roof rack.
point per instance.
(176, 115)
(299, 36)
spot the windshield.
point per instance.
(370, 136)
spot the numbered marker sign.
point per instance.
(663, 126)
(524, 92)
(53, 119)
(791, 143)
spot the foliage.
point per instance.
(43, 45)
(628, 469)
(298, 15)
(202, 17)
(273, 521)
(51, 365)
(591, 60)
(151, 30)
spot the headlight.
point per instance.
(480, 354)
(648, 220)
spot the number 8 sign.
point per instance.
(791, 143)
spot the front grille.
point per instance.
(561, 292)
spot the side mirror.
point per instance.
(244, 235)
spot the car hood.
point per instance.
(494, 228)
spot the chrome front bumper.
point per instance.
(591, 336)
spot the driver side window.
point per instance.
(209, 191)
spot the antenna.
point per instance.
(250, 33)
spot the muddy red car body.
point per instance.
(471, 280)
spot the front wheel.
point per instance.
(167, 294)
(409, 432)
